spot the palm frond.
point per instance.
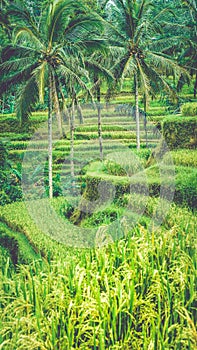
(157, 81)
(27, 97)
(21, 14)
(99, 70)
(71, 74)
(25, 33)
(84, 24)
(166, 64)
(15, 51)
(40, 77)
(124, 67)
(15, 65)
(93, 45)
(143, 7)
(19, 77)
(59, 14)
(145, 80)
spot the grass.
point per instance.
(17, 245)
(16, 216)
(133, 293)
(184, 157)
(184, 177)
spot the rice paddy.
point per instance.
(135, 287)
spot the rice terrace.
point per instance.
(98, 178)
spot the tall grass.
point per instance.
(135, 293)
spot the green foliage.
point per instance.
(113, 168)
(180, 132)
(10, 124)
(189, 109)
(42, 50)
(138, 292)
(18, 219)
(186, 188)
(10, 189)
(124, 295)
(94, 128)
(185, 182)
(185, 157)
(17, 245)
(115, 135)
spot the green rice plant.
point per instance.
(189, 109)
(134, 293)
(184, 157)
(17, 245)
(17, 218)
(13, 136)
(94, 128)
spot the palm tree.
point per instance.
(136, 36)
(97, 65)
(188, 50)
(42, 54)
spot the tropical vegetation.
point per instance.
(98, 179)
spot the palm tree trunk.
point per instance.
(72, 129)
(80, 113)
(57, 109)
(195, 87)
(137, 115)
(63, 112)
(98, 97)
(79, 110)
(145, 120)
(50, 148)
(98, 93)
(100, 130)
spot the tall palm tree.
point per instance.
(97, 65)
(136, 35)
(42, 53)
(188, 51)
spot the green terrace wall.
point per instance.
(180, 132)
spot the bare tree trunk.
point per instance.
(100, 130)
(98, 95)
(50, 145)
(72, 129)
(195, 87)
(65, 112)
(137, 116)
(57, 109)
(79, 110)
(145, 120)
(80, 114)
(3, 104)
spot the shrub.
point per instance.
(185, 157)
(180, 132)
(189, 109)
(103, 217)
(186, 188)
(11, 245)
(10, 189)
(113, 168)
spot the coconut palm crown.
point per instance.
(45, 53)
(136, 36)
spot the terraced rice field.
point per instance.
(120, 276)
(118, 131)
